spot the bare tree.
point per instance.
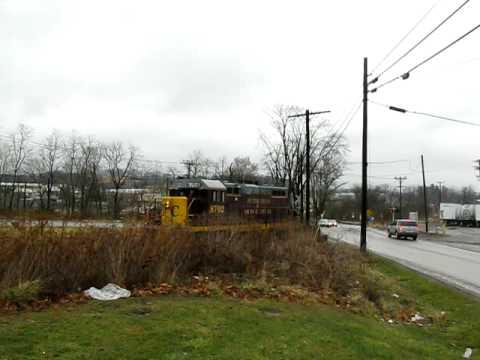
(20, 150)
(119, 163)
(5, 154)
(325, 182)
(87, 166)
(242, 169)
(220, 168)
(71, 155)
(198, 165)
(50, 153)
(285, 155)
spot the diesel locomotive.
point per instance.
(200, 202)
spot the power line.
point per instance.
(424, 38)
(402, 110)
(378, 162)
(395, 47)
(332, 131)
(443, 49)
(369, 176)
(342, 132)
(388, 82)
(406, 75)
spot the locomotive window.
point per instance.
(223, 196)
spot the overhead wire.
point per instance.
(379, 162)
(340, 135)
(332, 131)
(441, 117)
(418, 43)
(406, 75)
(431, 57)
(395, 47)
(150, 161)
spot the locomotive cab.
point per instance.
(203, 196)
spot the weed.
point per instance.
(22, 293)
(67, 260)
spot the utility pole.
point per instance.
(307, 165)
(393, 213)
(425, 197)
(400, 179)
(440, 183)
(363, 216)
(189, 164)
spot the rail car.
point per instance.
(204, 205)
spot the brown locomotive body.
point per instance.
(216, 202)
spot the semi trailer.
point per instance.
(458, 214)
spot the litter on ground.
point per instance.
(108, 292)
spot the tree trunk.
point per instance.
(115, 204)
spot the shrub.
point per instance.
(24, 292)
(372, 289)
(66, 259)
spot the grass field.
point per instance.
(175, 327)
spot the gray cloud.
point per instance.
(189, 72)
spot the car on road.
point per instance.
(332, 222)
(402, 229)
(327, 223)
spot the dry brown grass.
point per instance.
(66, 260)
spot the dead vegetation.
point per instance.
(64, 259)
(41, 262)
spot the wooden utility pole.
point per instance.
(425, 197)
(307, 164)
(189, 164)
(400, 179)
(440, 183)
(477, 168)
(363, 216)
(307, 160)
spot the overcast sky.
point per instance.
(177, 76)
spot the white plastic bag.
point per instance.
(108, 292)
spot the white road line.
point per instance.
(457, 267)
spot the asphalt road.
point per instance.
(459, 237)
(457, 267)
(68, 223)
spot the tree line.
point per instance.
(81, 175)
(71, 173)
(384, 201)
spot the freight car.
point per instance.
(201, 202)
